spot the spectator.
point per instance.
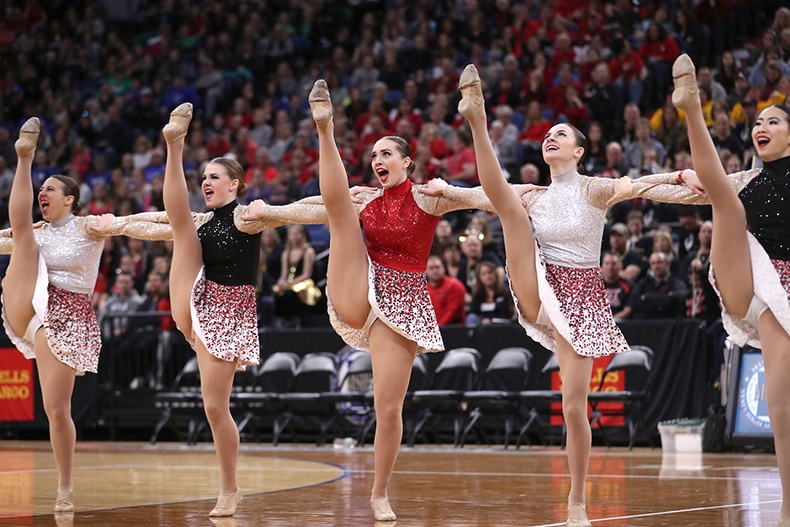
(603, 98)
(634, 152)
(724, 137)
(123, 299)
(627, 71)
(703, 301)
(662, 243)
(618, 290)
(491, 301)
(139, 356)
(658, 52)
(447, 293)
(614, 167)
(460, 166)
(688, 235)
(637, 240)
(705, 78)
(633, 264)
(296, 265)
(471, 256)
(658, 295)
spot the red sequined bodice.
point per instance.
(398, 233)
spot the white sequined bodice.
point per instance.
(72, 258)
(567, 228)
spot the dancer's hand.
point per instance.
(691, 180)
(255, 210)
(103, 224)
(623, 190)
(356, 193)
(434, 187)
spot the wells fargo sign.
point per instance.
(16, 386)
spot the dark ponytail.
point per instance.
(405, 150)
(71, 188)
(581, 140)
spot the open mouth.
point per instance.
(762, 140)
(383, 175)
(208, 193)
(552, 148)
(44, 205)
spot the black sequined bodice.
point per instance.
(767, 202)
(229, 255)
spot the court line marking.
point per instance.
(664, 513)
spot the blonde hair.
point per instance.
(235, 171)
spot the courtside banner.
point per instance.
(16, 386)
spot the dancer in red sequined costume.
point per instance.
(377, 288)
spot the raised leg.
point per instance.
(776, 354)
(392, 357)
(730, 247)
(187, 252)
(519, 243)
(57, 385)
(576, 371)
(20, 279)
(347, 272)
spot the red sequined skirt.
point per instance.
(224, 318)
(574, 300)
(400, 299)
(70, 326)
(771, 278)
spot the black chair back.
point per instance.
(508, 370)
(276, 374)
(315, 373)
(457, 371)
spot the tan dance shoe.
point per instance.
(577, 516)
(382, 510)
(685, 77)
(65, 501)
(471, 93)
(226, 504)
(179, 122)
(28, 137)
(320, 104)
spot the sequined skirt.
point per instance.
(70, 325)
(771, 280)
(574, 302)
(224, 318)
(399, 299)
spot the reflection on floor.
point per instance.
(120, 484)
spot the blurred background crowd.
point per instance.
(103, 76)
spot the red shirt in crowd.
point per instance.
(448, 301)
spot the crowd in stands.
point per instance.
(103, 76)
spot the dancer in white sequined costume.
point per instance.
(556, 282)
(750, 252)
(47, 289)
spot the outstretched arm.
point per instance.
(259, 216)
(145, 226)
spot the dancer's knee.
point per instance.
(389, 413)
(216, 411)
(58, 411)
(574, 409)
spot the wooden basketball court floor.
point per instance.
(125, 484)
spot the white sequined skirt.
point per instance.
(573, 301)
(768, 287)
(224, 318)
(399, 299)
(70, 325)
